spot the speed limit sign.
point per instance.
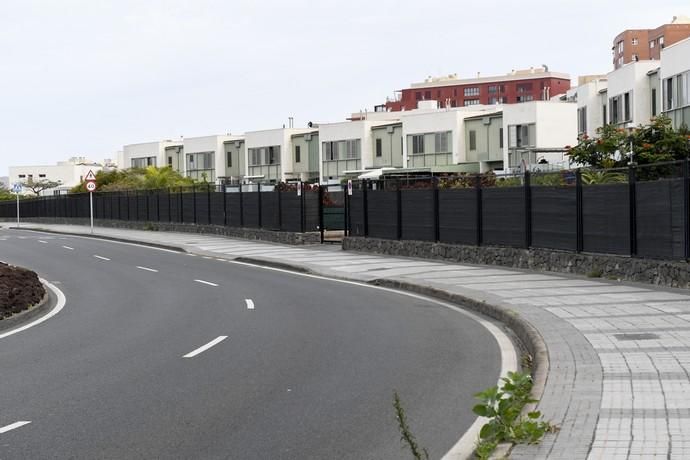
(91, 186)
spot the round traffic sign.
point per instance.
(91, 186)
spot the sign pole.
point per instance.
(17, 210)
(91, 207)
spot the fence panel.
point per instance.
(659, 214)
(606, 218)
(357, 213)
(503, 216)
(217, 208)
(269, 210)
(311, 210)
(458, 216)
(418, 217)
(202, 206)
(188, 206)
(291, 211)
(383, 214)
(250, 209)
(233, 208)
(554, 217)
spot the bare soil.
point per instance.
(19, 290)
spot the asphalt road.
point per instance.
(307, 373)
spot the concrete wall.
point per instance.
(633, 77)
(308, 167)
(588, 96)
(488, 140)
(237, 151)
(391, 146)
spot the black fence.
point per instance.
(637, 211)
(280, 208)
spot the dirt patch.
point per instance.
(19, 290)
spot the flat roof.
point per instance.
(491, 79)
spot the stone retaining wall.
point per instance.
(658, 272)
(234, 232)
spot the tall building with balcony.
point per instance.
(535, 84)
(646, 44)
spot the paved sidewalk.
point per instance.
(619, 353)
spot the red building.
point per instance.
(518, 86)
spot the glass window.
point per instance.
(474, 91)
(418, 144)
(500, 138)
(441, 142)
(379, 147)
(473, 140)
(469, 102)
(298, 154)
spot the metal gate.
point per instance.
(333, 213)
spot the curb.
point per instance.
(44, 306)
(102, 237)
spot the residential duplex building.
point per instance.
(158, 154)
(235, 161)
(535, 135)
(629, 94)
(206, 157)
(534, 84)
(674, 81)
(68, 173)
(305, 155)
(270, 155)
(590, 97)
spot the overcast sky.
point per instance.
(84, 77)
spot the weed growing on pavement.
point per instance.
(503, 407)
(595, 273)
(406, 436)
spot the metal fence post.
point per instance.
(321, 212)
(633, 210)
(180, 209)
(260, 210)
(128, 206)
(437, 212)
(241, 208)
(399, 212)
(346, 230)
(686, 207)
(303, 217)
(224, 189)
(158, 205)
(194, 202)
(365, 206)
(280, 210)
(479, 217)
(169, 205)
(528, 210)
(208, 202)
(148, 205)
(579, 221)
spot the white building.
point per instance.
(347, 148)
(270, 154)
(205, 157)
(68, 173)
(158, 154)
(674, 78)
(536, 133)
(591, 101)
(629, 94)
(436, 139)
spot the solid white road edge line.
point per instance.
(250, 304)
(59, 306)
(100, 257)
(206, 282)
(67, 247)
(13, 426)
(147, 269)
(509, 361)
(202, 349)
(95, 237)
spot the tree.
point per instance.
(137, 179)
(5, 194)
(38, 186)
(653, 143)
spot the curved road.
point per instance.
(306, 371)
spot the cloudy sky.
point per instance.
(84, 77)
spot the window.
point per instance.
(352, 149)
(500, 138)
(582, 120)
(497, 100)
(143, 162)
(441, 142)
(524, 87)
(22, 176)
(418, 96)
(427, 95)
(652, 44)
(519, 135)
(170, 161)
(379, 148)
(473, 140)
(330, 151)
(298, 154)
(469, 102)
(668, 94)
(418, 144)
(620, 47)
(525, 98)
(41, 176)
(455, 92)
(254, 157)
(273, 155)
(471, 91)
(229, 159)
(603, 114)
(615, 103)
(635, 41)
(635, 57)
(493, 89)
(661, 41)
(626, 107)
(654, 102)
